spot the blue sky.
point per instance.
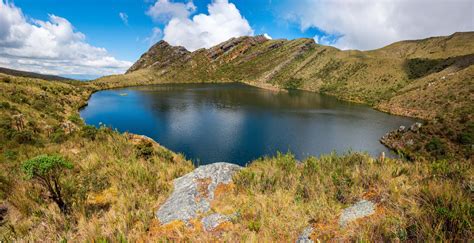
(103, 27)
(90, 38)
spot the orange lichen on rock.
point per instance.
(203, 188)
(223, 189)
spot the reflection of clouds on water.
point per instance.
(237, 123)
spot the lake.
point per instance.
(238, 123)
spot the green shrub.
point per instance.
(46, 170)
(24, 137)
(286, 162)
(76, 119)
(293, 83)
(467, 135)
(5, 105)
(254, 225)
(436, 147)
(58, 136)
(144, 150)
(89, 132)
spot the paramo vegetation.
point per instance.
(61, 179)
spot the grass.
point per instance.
(119, 180)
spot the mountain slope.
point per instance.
(374, 77)
(431, 79)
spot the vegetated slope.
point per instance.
(431, 79)
(373, 77)
(119, 180)
(116, 181)
(31, 74)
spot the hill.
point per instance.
(122, 185)
(31, 74)
(430, 79)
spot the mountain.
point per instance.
(25, 74)
(391, 78)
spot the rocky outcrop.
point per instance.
(160, 55)
(194, 192)
(305, 235)
(359, 210)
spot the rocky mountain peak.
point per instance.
(159, 55)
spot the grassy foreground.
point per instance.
(119, 180)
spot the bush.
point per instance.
(5, 105)
(145, 150)
(286, 162)
(76, 119)
(24, 137)
(436, 147)
(293, 83)
(7, 80)
(89, 132)
(58, 136)
(467, 135)
(46, 170)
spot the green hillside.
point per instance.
(430, 79)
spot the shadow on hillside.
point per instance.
(421, 67)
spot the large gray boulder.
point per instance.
(194, 191)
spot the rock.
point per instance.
(359, 210)
(194, 191)
(212, 221)
(305, 235)
(401, 129)
(415, 127)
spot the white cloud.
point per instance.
(52, 46)
(156, 35)
(164, 10)
(369, 24)
(202, 30)
(124, 17)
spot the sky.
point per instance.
(87, 39)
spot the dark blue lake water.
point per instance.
(239, 123)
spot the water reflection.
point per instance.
(238, 123)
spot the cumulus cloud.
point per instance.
(223, 22)
(156, 35)
(164, 10)
(124, 17)
(52, 46)
(369, 24)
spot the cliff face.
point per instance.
(160, 55)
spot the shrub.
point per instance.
(467, 135)
(7, 80)
(286, 162)
(293, 83)
(58, 136)
(76, 119)
(89, 132)
(145, 150)
(46, 170)
(5, 105)
(24, 137)
(436, 147)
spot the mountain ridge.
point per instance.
(373, 77)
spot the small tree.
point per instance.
(47, 170)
